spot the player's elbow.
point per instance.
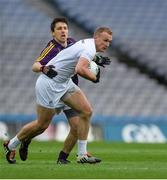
(80, 70)
(36, 67)
(33, 68)
(77, 70)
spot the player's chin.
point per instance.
(63, 39)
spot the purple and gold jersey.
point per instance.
(51, 50)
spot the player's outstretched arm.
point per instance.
(47, 70)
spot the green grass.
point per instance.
(120, 160)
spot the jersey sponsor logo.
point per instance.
(143, 133)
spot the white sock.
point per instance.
(82, 147)
(13, 143)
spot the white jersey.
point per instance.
(66, 60)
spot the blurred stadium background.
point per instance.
(130, 102)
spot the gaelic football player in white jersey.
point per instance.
(50, 90)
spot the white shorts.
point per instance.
(50, 92)
(62, 106)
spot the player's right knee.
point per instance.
(86, 113)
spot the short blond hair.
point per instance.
(102, 29)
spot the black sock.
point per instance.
(63, 155)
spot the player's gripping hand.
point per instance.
(49, 71)
(102, 61)
(97, 77)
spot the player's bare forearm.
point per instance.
(87, 74)
(83, 70)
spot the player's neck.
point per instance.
(64, 44)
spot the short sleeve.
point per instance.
(89, 50)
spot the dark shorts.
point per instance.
(70, 113)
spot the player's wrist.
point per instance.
(48, 71)
(42, 68)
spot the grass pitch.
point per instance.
(120, 160)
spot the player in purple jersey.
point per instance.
(59, 29)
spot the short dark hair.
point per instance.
(57, 20)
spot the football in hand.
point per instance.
(93, 67)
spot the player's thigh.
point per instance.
(48, 92)
(77, 101)
(44, 115)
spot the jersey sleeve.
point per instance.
(89, 51)
(87, 55)
(51, 50)
(47, 54)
